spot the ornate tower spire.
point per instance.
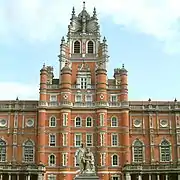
(84, 5)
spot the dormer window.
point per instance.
(76, 47)
(90, 47)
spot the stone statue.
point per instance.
(85, 160)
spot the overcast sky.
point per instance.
(142, 34)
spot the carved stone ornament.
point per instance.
(101, 96)
(30, 122)
(163, 122)
(137, 123)
(65, 96)
(3, 122)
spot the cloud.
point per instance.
(45, 19)
(11, 90)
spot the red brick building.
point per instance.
(130, 140)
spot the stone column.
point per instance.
(166, 176)
(140, 177)
(40, 176)
(9, 176)
(149, 176)
(178, 176)
(17, 176)
(158, 177)
(1, 177)
(128, 176)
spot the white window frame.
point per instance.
(87, 143)
(65, 138)
(24, 145)
(49, 160)
(103, 159)
(52, 177)
(112, 162)
(93, 46)
(65, 119)
(83, 82)
(50, 140)
(112, 96)
(117, 140)
(114, 177)
(91, 122)
(101, 119)
(160, 150)
(90, 96)
(64, 159)
(75, 139)
(112, 125)
(50, 120)
(102, 139)
(80, 122)
(3, 153)
(76, 98)
(143, 151)
(53, 98)
(80, 47)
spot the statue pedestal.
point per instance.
(87, 176)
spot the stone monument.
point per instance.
(85, 161)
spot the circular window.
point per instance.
(3, 122)
(137, 122)
(30, 123)
(163, 122)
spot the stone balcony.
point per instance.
(160, 167)
(55, 104)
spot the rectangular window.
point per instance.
(89, 98)
(103, 159)
(102, 137)
(64, 139)
(78, 98)
(51, 177)
(65, 119)
(78, 140)
(114, 140)
(83, 83)
(64, 159)
(113, 98)
(101, 119)
(89, 139)
(53, 98)
(115, 178)
(52, 140)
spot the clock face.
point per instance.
(101, 96)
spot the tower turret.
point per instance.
(43, 83)
(124, 84)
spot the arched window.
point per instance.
(90, 47)
(165, 151)
(78, 122)
(138, 151)
(52, 121)
(2, 150)
(52, 160)
(29, 151)
(89, 122)
(114, 122)
(115, 160)
(77, 47)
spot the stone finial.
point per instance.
(123, 66)
(175, 100)
(149, 99)
(17, 99)
(94, 13)
(62, 40)
(84, 5)
(73, 11)
(104, 39)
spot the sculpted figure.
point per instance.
(79, 158)
(85, 160)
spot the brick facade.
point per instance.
(130, 140)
